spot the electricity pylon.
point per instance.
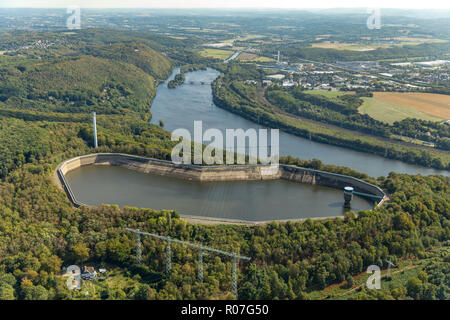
(202, 252)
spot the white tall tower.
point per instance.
(94, 122)
(278, 57)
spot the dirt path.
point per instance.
(408, 267)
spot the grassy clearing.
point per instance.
(399, 276)
(390, 107)
(436, 105)
(340, 291)
(367, 47)
(318, 129)
(264, 59)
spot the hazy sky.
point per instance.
(413, 4)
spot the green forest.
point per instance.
(40, 230)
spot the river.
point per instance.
(189, 102)
(259, 200)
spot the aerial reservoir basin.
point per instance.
(253, 200)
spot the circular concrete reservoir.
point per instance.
(247, 200)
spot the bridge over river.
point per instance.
(204, 83)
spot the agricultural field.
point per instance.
(216, 53)
(395, 106)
